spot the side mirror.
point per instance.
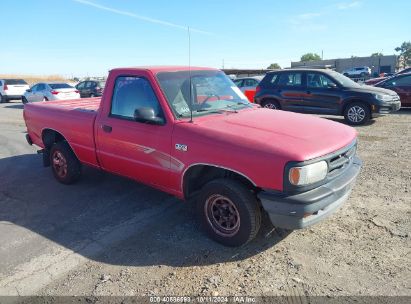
(147, 115)
(332, 85)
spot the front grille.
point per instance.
(338, 162)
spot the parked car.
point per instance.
(12, 89)
(324, 92)
(406, 70)
(401, 84)
(91, 88)
(248, 83)
(50, 91)
(357, 72)
(373, 81)
(304, 167)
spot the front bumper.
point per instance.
(307, 208)
(386, 108)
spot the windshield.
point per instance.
(212, 92)
(343, 80)
(60, 86)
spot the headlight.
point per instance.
(309, 174)
(383, 97)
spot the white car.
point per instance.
(247, 83)
(357, 72)
(50, 91)
(12, 89)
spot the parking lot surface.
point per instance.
(108, 235)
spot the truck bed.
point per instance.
(73, 119)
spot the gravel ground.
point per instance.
(110, 236)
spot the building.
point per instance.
(378, 64)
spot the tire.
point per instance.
(92, 95)
(346, 74)
(24, 100)
(2, 99)
(64, 163)
(357, 113)
(271, 104)
(236, 201)
(45, 98)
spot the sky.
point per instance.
(89, 37)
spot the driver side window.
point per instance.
(131, 93)
(320, 81)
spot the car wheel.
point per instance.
(64, 163)
(92, 95)
(357, 113)
(2, 99)
(45, 98)
(24, 100)
(271, 104)
(229, 212)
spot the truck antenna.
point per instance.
(189, 73)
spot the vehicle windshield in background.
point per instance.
(55, 86)
(101, 84)
(14, 81)
(212, 91)
(344, 80)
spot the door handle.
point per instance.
(106, 128)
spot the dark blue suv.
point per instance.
(324, 92)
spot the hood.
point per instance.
(299, 137)
(372, 90)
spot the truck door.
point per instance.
(136, 149)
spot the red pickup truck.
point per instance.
(193, 134)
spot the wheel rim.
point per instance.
(356, 114)
(222, 215)
(270, 106)
(59, 164)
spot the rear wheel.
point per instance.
(2, 99)
(64, 163)
(45, 98)
(24, 100)
(357, 113)
(271, 104)
(229, 212)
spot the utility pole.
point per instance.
(223, 63)
(322, 54)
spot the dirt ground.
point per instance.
(110, 236)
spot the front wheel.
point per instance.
(357, 113)
(64, 163)
(2, 99)
(229, 212)
(271, 104)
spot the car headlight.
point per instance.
(383, 97)
(309, 174)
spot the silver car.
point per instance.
(248, 83)
(50, 91)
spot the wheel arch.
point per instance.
(197, 175)
(352, 100)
